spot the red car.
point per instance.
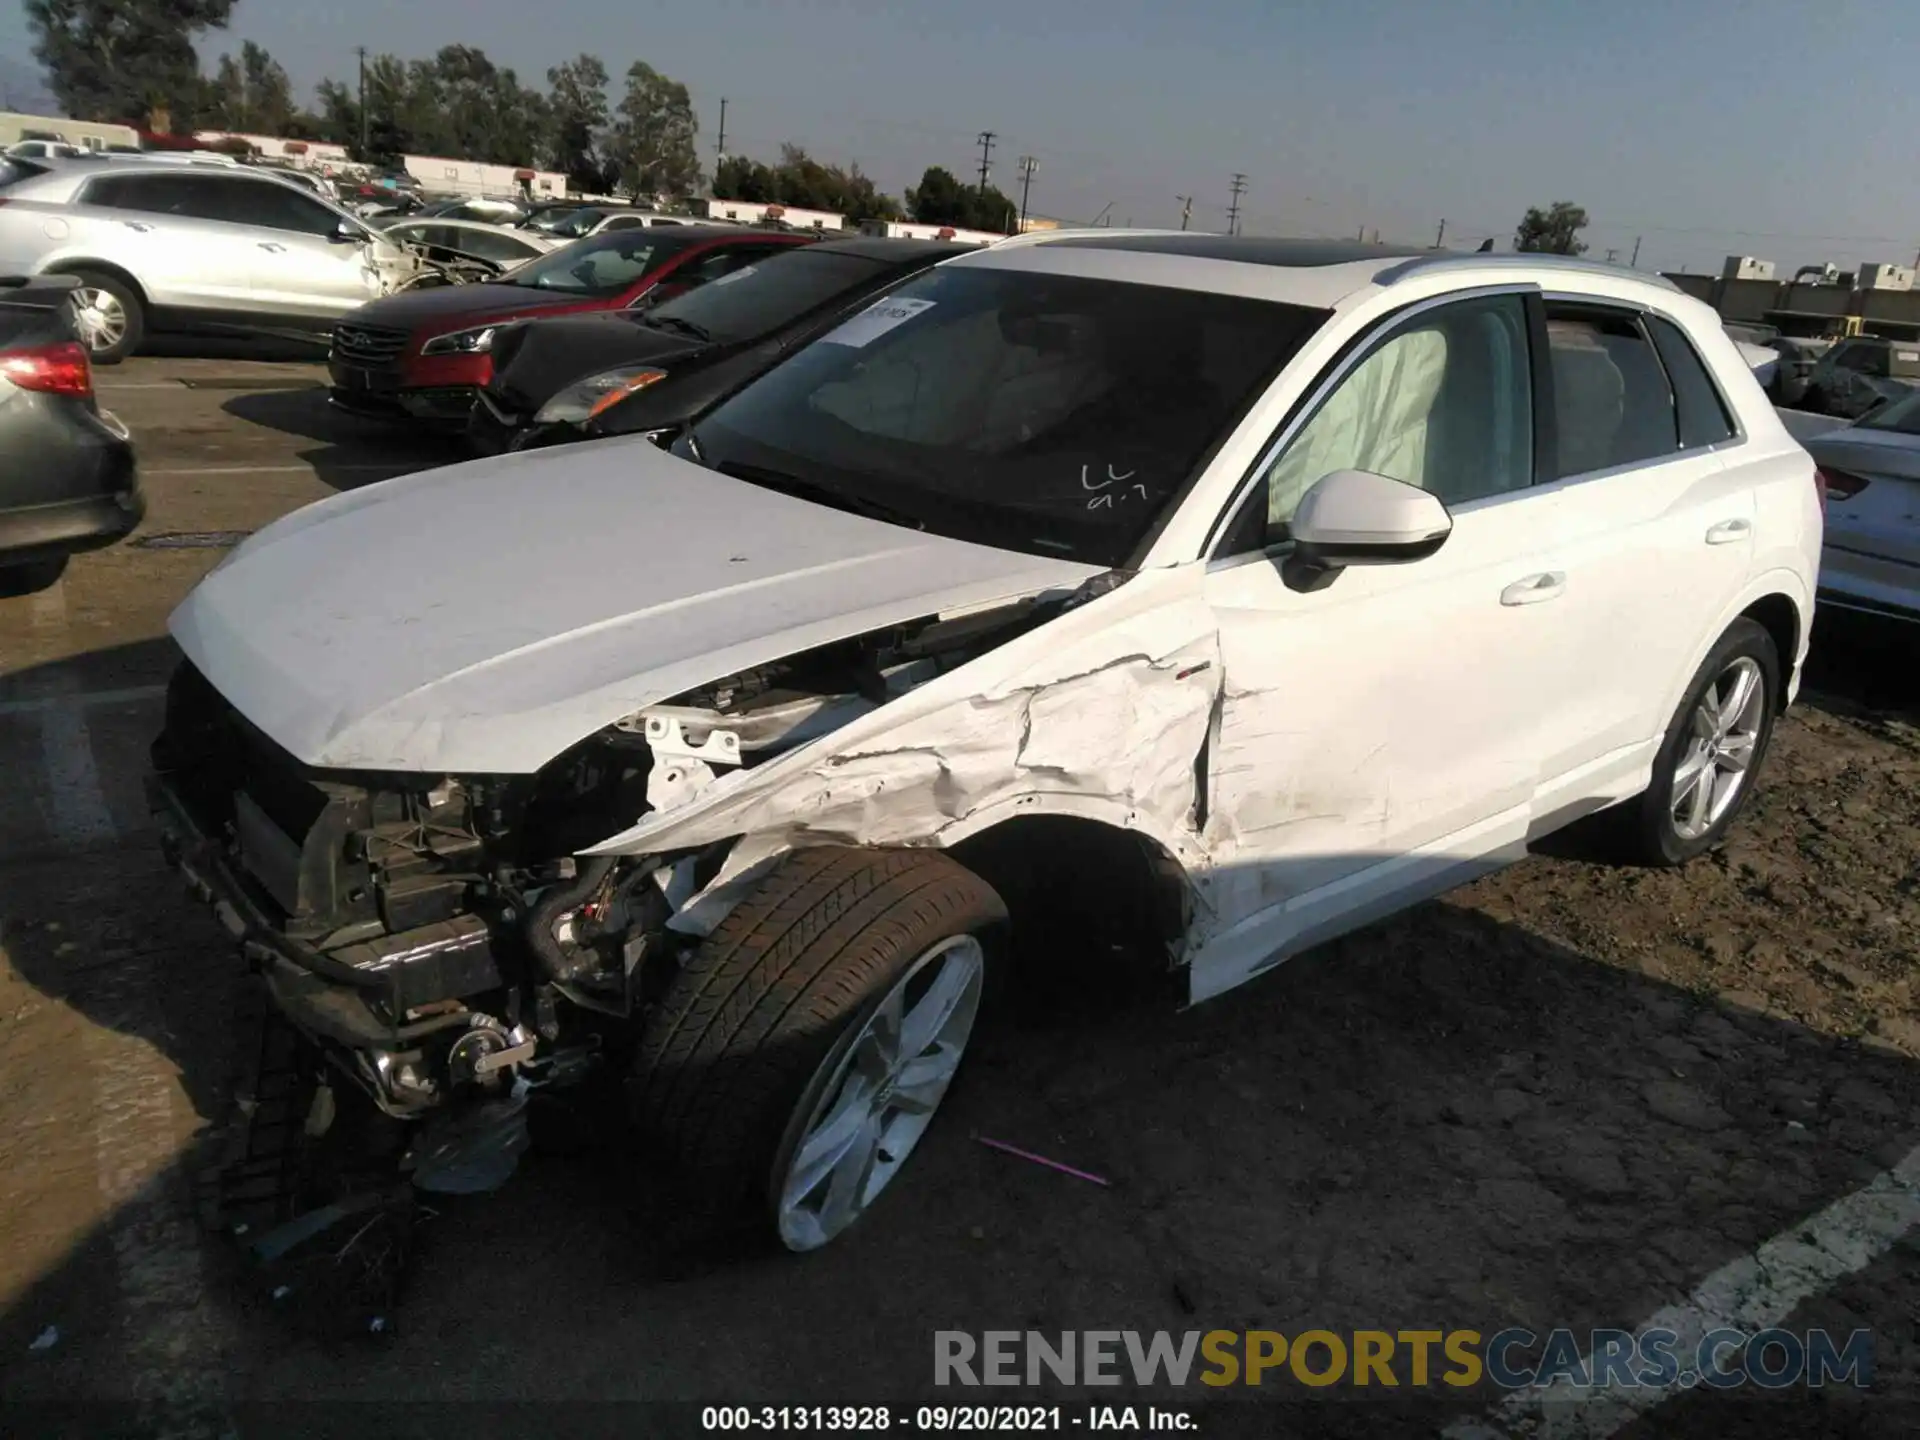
(424, 354)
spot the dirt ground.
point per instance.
(1564, 1096)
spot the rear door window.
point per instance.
(271, 206)
(1613, 404)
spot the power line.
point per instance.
(1238, 188)
(987, 138)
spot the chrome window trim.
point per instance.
(1365, 347)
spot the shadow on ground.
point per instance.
(1446, 1121)
(352, 450)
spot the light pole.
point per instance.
(1027, 166)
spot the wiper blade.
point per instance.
(674, 322)
(820, 494)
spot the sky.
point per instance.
(1770, 128)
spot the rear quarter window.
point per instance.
(1703, 412)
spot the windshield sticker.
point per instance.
(733, 275)
(876, 320)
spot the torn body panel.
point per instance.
(1100, 713)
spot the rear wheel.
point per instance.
(1704, 774)
(796, 1061)
(108, 315)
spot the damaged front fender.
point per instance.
(1103, 712)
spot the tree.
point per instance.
(251, 93)
(940, 199)
(123, 60)
(801, 180)
(738, 178)
(577, 107)
(1555, 231)
(486, 114)
(652, 148)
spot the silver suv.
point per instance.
(164, 246)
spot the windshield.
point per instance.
(604, 265)
(1901, 415)
(1048, 414)
(760, 298)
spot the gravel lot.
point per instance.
(1563, 1096)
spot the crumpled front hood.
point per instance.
(483, 617)
(533, 363)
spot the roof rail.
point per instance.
(1041, 237)
(1466, 260)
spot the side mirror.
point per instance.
(1354, 517)
(347, 233)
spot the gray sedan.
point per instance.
(1871, 557)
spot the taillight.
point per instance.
(1839, 484)
(61, 369)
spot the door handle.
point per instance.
(274, 246)
(1728, 531)
(1549, 585)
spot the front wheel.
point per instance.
(1704, 774)
(798, 1058)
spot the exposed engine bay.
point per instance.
(441, 940)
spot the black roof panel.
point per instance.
(1249, 249)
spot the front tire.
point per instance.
(1705, 772)
(797, 1059)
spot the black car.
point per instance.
(67, 478)
(577, 377)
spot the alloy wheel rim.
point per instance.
(99, 317)
(873, 1096)
(1722, 738)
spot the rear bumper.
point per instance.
(67, 527)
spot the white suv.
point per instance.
(161, 244)
(1161, 595)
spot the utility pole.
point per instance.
(1635, 261)
(720, 150)
(1186, 209)
(987, 137)
(1027, 166)
(1237, 189)
(1441, 238)
(361, 51)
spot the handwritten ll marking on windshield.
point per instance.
(1104, 500)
